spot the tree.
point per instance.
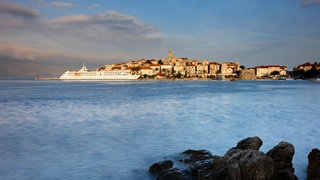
(160, 62)
(178, 75)
(135, 70)
(298, 73)
(275, 73)
(242, 67)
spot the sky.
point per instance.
(99, 32)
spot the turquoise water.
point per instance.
(116, 130)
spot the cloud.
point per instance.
(20, 51)
(94, 6)
(71, 19)
(61, 4)
(18, 11)
(310, 2)
(107, 26)
(105, 37)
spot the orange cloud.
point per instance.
(62, 4)
(71, 19)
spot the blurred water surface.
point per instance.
(117, 129)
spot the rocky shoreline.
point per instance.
(244, 161)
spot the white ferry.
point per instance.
(85, 74)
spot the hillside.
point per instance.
(9, 68)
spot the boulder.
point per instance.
(195, 155)
(253, 143)
(217, 171)
(282, 154)
(174, 174)
(313, 170)
(159, 167)
(250, 165)
(244, 161)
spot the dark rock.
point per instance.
(285, 175)
(232, 151)
(221, 174)
(282, 154)
(174, 174)
(217, 171)
(159, 167)
(253, 143)
(244, 161)
(250, 164)
(313, 171)
(196, 155)
(201, 167)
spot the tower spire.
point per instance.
(170, 54)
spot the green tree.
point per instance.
(160, 62)
(274, 73)
(178, 75)
(135, 70)
(298, 73)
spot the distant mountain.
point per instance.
(9, 68)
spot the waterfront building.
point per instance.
(214, 68)
(153, 61)
(146, 70)
(155, 68)
(141, 62)
(191, 71)
(202, 70)
(248, 74)
(166, 68)
(306, 66)
(179, 69)
(132, 64)
(265, 71)
(229, 68)
(205, 62)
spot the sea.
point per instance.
(118, 129)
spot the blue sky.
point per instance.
(253, 32)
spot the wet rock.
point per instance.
(217, 171)
(250, 165)
(201, 167)
(221, 174)
(174, 174)
(285, 175)
(313, 170)
(282, 154)
(253, 143)
(159, 167)
(196, 155)
(244, 161)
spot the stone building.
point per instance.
(229, 68)
(265, 71)
(248, 74)
(214, 68)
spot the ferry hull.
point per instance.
(85, 74)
